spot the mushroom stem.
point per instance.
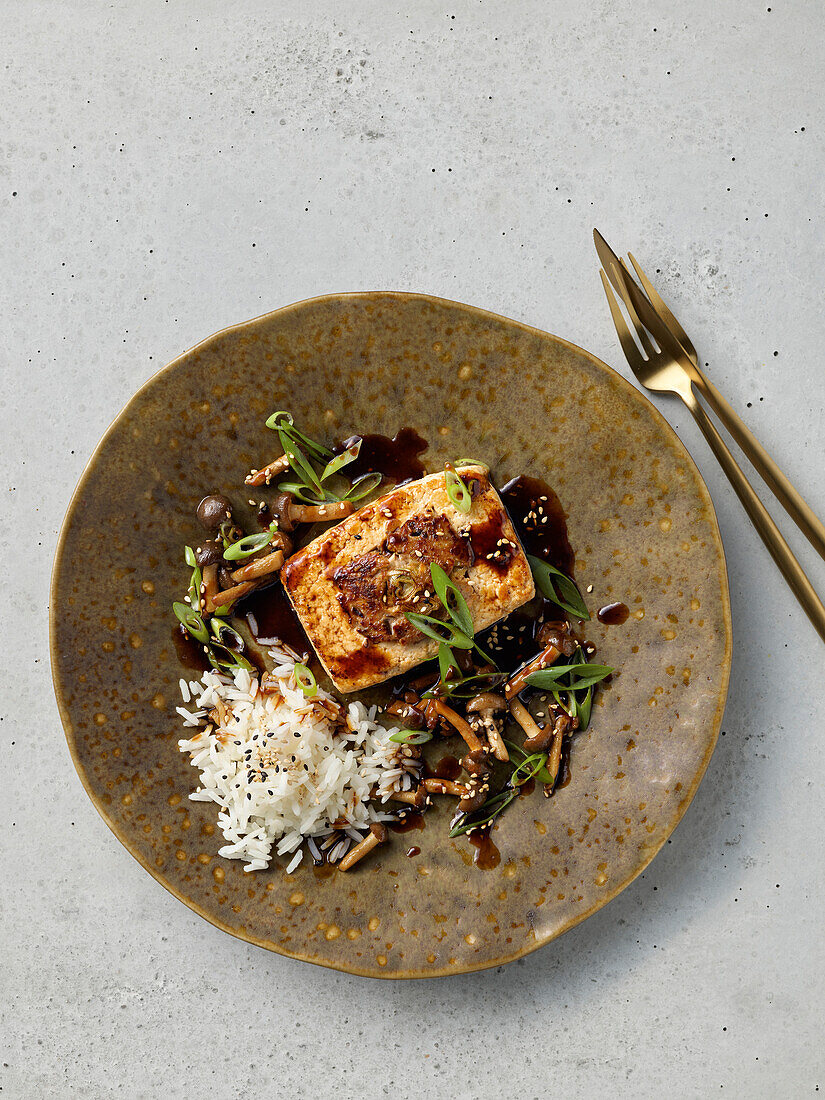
(416, 798)
(408, 712)
(554, 760)
(377, 835)
(518, 681)
(320, 513)
(270, 563)
(496, 741)
(209, 587)
(434, 785)
(278, 466)
(461, 725)
(537, 739)
(229, 596)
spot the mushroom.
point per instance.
(438, 708)
(260, 567)
(377, 835)
(538, 738)
(482, 711)
(518, 681)
(214, 510)
(209, 585)
(435, 785)
(416, 798)
(272, 469)
(475, 796)
(229, 596)
(289, 513)
(476, 764)
(562, 726)
(559, 634)
(408, 713)
(209, 552)
(281, 541)
(471, 796)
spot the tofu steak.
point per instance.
(352, 586)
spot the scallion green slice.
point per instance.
(457, 491)
(411, 737)
(306, 680)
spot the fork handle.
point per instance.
(770, 534)
(800, 512)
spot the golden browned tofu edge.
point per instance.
(492, 588)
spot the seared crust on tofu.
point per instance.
(352, 586)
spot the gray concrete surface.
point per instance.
(170, 168)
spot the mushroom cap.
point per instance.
(213, 510)
(209, 552)
(281, 506)
(488, 702)
(476, 762)
(379, 831)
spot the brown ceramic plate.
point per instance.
(644, 531)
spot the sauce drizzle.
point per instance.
(396, 458)
(613, 614)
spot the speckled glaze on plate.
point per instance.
(644, 531)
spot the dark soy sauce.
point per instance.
(190, 652)
(613, 614)
(407, 822)
(487, 856)
(540, 521)
(489, 544)
(275, 618)
(447, 767)
(396, 458)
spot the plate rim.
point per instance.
(240, 933)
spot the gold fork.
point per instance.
(673, 368)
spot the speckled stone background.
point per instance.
(167, 169)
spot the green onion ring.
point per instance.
(411, 737)
(191, 621)
(457, 491)
(306, 680)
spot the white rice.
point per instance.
(283, 769)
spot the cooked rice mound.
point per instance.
(285, 769)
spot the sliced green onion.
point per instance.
(454, 603)
(283, 422)
(363, 486)
(189, 555)
(337, 462)
(225, 634)
(299, 462)
(585, 707)
(470, 462)
(485, 814)
(446, 662)
(529, 767)
(304, 493)
(248, 545)
(411, 737)
(279, 420)
(457, 491)
(430, 627)
(542, 774)
(581, 676)
(470, 686)
(555, 586)
(194, 593)
(227, 660)
(306, 680)
(191, 620)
